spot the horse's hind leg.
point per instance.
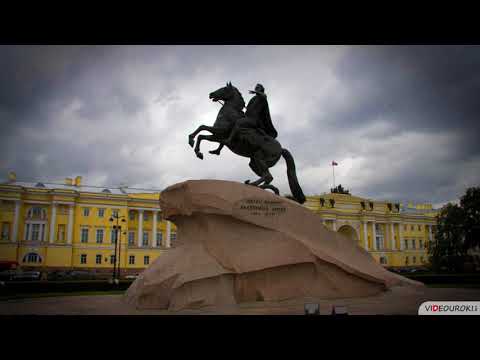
(255, 169)
(259, 166)
(191, 137)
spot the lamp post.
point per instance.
(117, 229)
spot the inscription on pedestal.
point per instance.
(260, 207)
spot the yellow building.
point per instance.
(395, 235)
(67, 226)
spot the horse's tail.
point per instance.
(292, 177)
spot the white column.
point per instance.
(15, 221)
(392, 233)
(154, 228)
(70, 224)
(334, 225)
(169, 230)
(365, 234)
(430, 237)
(374, 236)
(53, 220)
(400, 233)
(140, 227)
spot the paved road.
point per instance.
(401, 301)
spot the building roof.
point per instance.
(81, 188)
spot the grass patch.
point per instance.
(57, 294)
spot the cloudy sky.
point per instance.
(401, 121)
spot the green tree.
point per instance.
(457, 232)
(470, 203)
(448, 249)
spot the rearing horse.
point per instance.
(263, 150)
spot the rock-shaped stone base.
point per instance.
(238, 243)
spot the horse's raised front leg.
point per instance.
(191, 137)
(217, 150)
(199, 140)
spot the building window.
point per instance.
(101, 213)
(84, 236)
(145, 216)
(413, 244)
(61, 233)
(42, 236)
(98, 259)
(83, 259)
(159, 238)
(86, 212)
(27, 235)
(412, 228)
(35, 232)
(113, 236)
(114, 213)
(131, 215)
(131, 237)
(146, 260)
(406, 244)
(419, 227)
(383, 260)
(159, 216)
(414, 260)
(131, 260)
(406, 260)
(99, 236)
(422, 260)
(420, 244)
(5, 231)
(145, 238)
(112, 259)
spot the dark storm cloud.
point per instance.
(426, 88)
(400, 120)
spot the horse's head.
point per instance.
(225, 93)
(228, 93)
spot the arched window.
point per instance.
(32, 258)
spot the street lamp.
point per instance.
(117, 228)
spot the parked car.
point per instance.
(58, 275)
(7, 275)
(27, 275)
(132, 277)
(80, 275)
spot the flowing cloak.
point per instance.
(257, 108)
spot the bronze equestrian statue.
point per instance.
(250, 134)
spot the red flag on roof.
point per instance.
(334, 163)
